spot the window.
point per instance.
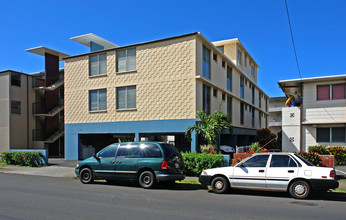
(338, 134)
(323, 92)
(108, 151)
(229, 78)
(242, 113)
(15, 107)
(126, 60)
(253, 96)
(223, 96)
(206, 62)
(149, 151)
(338, 91)
(229, 106)
(260, 118)
(282, 161)
(223, 64)
(323, 134)
(252, 70)
(221, 48)
(98, 65)
(214, 56)
(206, 99)
(257, 161)
(259, 99)
(15, 79)
(241, 87)
(126, 97)
(215, 93)
(129, 151)
(245, 59)
(239, 57)
(253, 117)
(98, 100)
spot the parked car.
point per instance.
(145, 162)
(272, 171)
(225, 149)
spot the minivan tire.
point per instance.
(86, 176)
(147, 179)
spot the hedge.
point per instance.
(22, 158)
(195, 163)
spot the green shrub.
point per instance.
(312, 157)
(319, 149)
(339, 154)
(22, 158)
(195, 163)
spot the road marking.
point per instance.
(340, 171)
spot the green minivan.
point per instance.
(145, 162)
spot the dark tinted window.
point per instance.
(108, 151)
(128, 150)
(305, 161)
(257, 161)
(149, 150)
(170, 150)
(282, 161)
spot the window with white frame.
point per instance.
(98, 100)
(126, 60)
(126, 97)
(239, 57)
(327, 92)
(98, 64)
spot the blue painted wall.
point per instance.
(72, 131)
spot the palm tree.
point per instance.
(210, 126)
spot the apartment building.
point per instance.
(152, 90)
(32, 107)
(318, 116)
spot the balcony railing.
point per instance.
(275, 124)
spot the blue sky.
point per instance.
(319, 28)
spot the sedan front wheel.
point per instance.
(220, 185)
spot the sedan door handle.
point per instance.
(291, 171)
(261, 171)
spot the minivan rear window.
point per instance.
(169, 150)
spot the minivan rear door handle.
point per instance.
(112, 162)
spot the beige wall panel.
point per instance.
(5, 112)
(231, 52)
(165, 84)
(18, 127)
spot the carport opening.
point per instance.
(93, 143)
(178, 140)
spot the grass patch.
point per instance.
(188, 182)
(338, 190)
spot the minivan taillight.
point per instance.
(164, 165)
(332, 173)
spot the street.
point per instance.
(37, 197)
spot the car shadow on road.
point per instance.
(159, 186)
(315, 196)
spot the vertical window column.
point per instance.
(206, 99)
(229, 78)
(206, 62)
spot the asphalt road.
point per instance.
(37, 197)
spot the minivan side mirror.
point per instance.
(96, 157)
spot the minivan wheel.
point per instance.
(220, 185)
(300, 190)
(86, 176)
(147, 179)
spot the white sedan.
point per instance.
(274, 172)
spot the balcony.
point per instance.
(275, 109)
(275, 124)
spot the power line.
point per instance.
(294, 47)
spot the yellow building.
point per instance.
(152, 90)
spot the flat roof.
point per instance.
(41, 50)
(312, 79)
(87, 38)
